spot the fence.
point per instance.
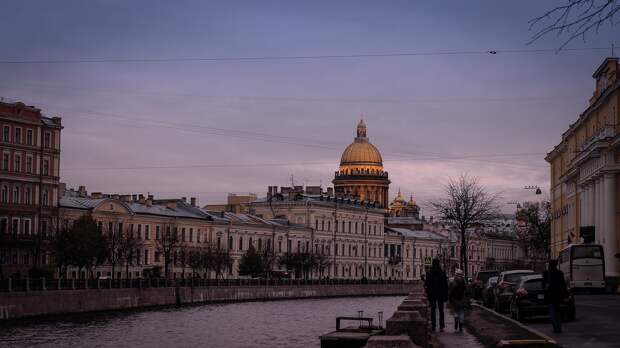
(44, 284)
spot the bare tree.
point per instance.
(167, 245)
(575, 18)
(220, 261)
(535, 232)
(114, 246)
(128, 246)
(465, 204)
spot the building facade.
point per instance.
(29, 186)
(584, 173)
(361, 173)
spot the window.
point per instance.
(16, 195)
(336, 249)
(147, 232)
(18, 163)
(27, 226)
(322, 225)
(27, 195)
(46, 139)
(5, 161)
(157, 232)
(29, 137)
(29, 164)
(316, 224)
(230, 240)
(329, 227)
(191, 235)
(6, 132)
(146, 256)
(15, 227)
(219, 243)
(280, 246)
(298, 246)
(46, 167)
(18, 135)
(240, 243)
(4, 225)
(260, 244)
(5, 194)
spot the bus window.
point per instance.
(590, 252)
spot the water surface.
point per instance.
(290, 323)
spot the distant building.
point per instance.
(349, 230)
(234, 204)
(361, 173)
(584, 173)
(29, 185)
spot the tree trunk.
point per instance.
(464, 255)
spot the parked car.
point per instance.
(487, 292)
(505, 288)
(480, 281)
(529, 300)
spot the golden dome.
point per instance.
(361, 154)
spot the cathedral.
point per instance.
(402, 208)
(361, 173)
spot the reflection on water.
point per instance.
(294, 323)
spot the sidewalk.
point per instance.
(448, 338)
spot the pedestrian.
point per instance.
(436, 285)
(458, 300)
(554, 287)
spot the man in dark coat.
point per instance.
(555, 290)
(436, 285)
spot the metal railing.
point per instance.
(46, 284)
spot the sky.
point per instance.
(209, 128)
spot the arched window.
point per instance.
(16, 195)
(5, 194)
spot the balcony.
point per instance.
(603, 133)
(395, 260)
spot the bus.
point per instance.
(583, 266)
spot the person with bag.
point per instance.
(554, 286)
(458, 300)
(436, 285)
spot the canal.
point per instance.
(290, 323)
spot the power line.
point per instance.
(249, 135)
(300, 57)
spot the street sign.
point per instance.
(428, 260)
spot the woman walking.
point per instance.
(458, 300)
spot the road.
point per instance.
(597, 323)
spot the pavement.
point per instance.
(597, 323)
(448, 338)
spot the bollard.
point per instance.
(410, 323)
(390, 341)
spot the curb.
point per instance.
(507, 343)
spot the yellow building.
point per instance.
(584, 172)
(361, 173)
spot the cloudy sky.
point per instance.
(206, 128)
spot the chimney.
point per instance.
(193, 201)
(96, 195)
(134, 198)
(141, 199)
(330, 191)
(82, 191)
(184, 199)
(269, 193)
(149, 201)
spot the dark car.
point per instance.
(506, 285)
(487, 292)
(480, 281)
(529, 300)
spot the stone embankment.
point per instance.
(409, 326)
(23, 304)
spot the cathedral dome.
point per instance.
(361, 153)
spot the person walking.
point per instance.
(458, 300)
(436, 285)
(554, 286)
